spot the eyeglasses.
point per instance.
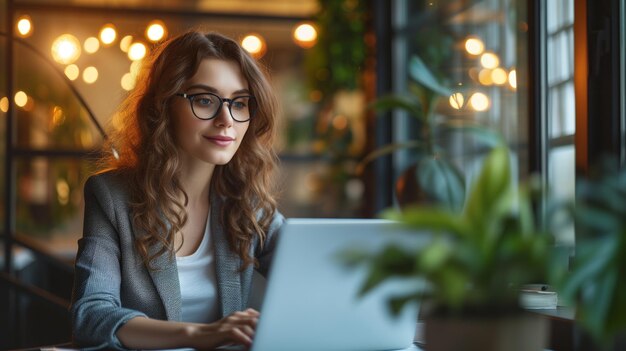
(206, 106)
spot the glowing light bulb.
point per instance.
(20, 98)
(474, 46)
(254, 44)
(24, 26)
(498, 76)
(108, 34)
(4, 104)
(489, 60)
(457, 100)
(90, 75)
(305, 35)
(72, 72)
(479, 102)
(128, 81)
(91, 45)
(155, 31)
(125, 43)
(65, 49)
(513, 79)
(137, 51)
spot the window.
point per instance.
(560, 110)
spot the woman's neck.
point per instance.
(196, 180)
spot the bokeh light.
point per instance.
(499, 76)
(125, 43)
(65, 49)
(128, 81)
(137, 51)
(479, 102)
(156, 31)
(474, 46)
(91, 45)
(305, 35)
(489, 60)
(72, 72)
(254, 44)
(90, 75)
(108, 34)
(20, 98)
(24, 26)
(457, 100)
(4, 104)
(513, 78)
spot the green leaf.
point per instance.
(491, 194)
(390, 102)
(429, 219)
(433, 257)
(442, 181)
(420, 72)
(481, 134)
(397, 303)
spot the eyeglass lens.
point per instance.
(206, 106)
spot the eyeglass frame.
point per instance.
(191, 97)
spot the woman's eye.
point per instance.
(239, 104)
(205, 101)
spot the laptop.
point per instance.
(311, 300)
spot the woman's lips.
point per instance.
(220, 140)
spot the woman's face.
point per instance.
(213, 141)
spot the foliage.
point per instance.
(437, 175)
(596, 282)
(337, 60)
(476, 258)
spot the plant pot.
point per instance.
(515, 332)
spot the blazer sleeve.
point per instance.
(267, 252)
(96, 310)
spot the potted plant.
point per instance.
(433, 178)
(476, 262)
(596, 283)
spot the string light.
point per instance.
(20, 98)
(479, 102)
(156, 31)
(305, 35)
(125, 43)
(72, 72)
(254, 44)
(108, 34)
(457, 100)
(513, 79)
(65, 49)
(90, 75)
(24, 26)
(137, 51)
(91, 45)
(489, 60)
(474, 46)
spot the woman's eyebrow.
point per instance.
(215, 91)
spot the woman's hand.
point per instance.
(144, 333)
(236, 328)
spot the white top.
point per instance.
(198, 283)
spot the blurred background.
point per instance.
(505, 65)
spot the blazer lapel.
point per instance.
(165, 279)
(227, 264)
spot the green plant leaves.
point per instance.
(491, 195)
(442, 181)
(420, 72)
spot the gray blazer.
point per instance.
(112, 284)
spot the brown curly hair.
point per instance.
(147, 156)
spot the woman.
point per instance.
(176, 225)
